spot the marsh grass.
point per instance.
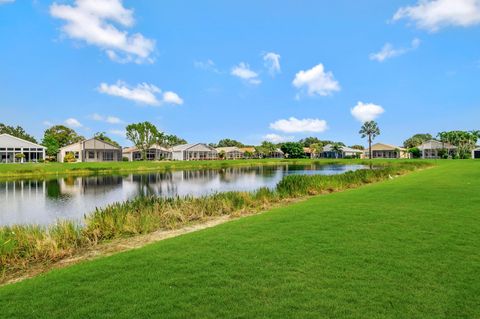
(23, 246)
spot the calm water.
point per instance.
(43, 201)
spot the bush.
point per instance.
(69, 158)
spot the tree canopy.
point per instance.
(465, 141)
(266, 148)
(371, 130)
(103, 137)
(17, 131)
(417, 140)
(226, 142)
(143, 135)
(293, 150)
(172, 140)
(63, 135)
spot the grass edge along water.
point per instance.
(23, 246)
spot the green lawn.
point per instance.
(404, 248)
(45, 169)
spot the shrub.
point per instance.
(69, 158)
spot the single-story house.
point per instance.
(278, 153)
(231, 152)
(192, 152)
(154, 153)
(476, 153)
(249, 151)
(344, 152)
(10, 146)
(92, 150)
(381, 150)
(432, 148)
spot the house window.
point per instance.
(108, 156)
(76, 155)
(91, 155)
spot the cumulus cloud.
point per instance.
(207, 65)
(6, 1)
(143, 93)
(243, 71)
(275, 138)
(294, 125)
(272, 62)
(96, 22)
(316, 81)
(388, 51)
(107, 119)
(433, 15)
(73, 122)
(365, 112)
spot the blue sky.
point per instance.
(248, 70)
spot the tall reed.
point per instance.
(23, 246)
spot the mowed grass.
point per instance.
(404, 248)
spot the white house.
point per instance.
(10, 146)
(154, 153)
(192, 152)
(231, 152)
(92, 150)
(344, 152)
(433, 149)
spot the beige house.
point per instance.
(193, 152)
(92, 150)
(328, 152)
(381, 150)
(154, 153)
(230, 153)
(433, 149)
(11, 146)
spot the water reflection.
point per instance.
(46, 200)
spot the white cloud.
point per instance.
(244, 72)
(294, 125)
(143, 93)
(433, 15)
(275, 138)
(272, 62)
(6, 1)
(72, 122)
(96, 21)
(108, 119)
(207, 65)
(388, 51)
(365, 112)
(172, 98)
(316, 81)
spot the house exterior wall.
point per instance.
(92, 150)
(11, 146)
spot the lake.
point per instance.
(43, 201)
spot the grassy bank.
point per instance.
(24, 246)
(405, 248)
(49, 169)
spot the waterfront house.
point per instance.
(278, 153)
(230, 153)
(154, 153)
(92, 150)
(381, 150)
(345, 152)
(192, 152)
(435, 149)
(11, 146)
(249, 152)
(476, 153)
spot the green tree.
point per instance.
(52, 146)
(266, 149)
(226, 142)
(416, 140)
(371, 130)
(62, 134)
(357, 147)
(317, 149)
(465, 141)
(143, 135)
(293, 150)
(337, 149)
(415, 151)
(103, 137)
(17, 131)
(172, 140)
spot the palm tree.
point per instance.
(336, 148)
(371, 130)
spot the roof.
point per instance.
(184, 147)
(132, 149)
(328, 148)
(433, 144)
(229, 149)
(250, 149)
(91, 139)
(7, 140)
(386, 147)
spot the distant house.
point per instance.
(192, 152)
(380, 150)
(231, 153)
(92, 150)
(310, 153)
(328, 152)
(476, 153)
(154, 153)
(434, 149)
(10, 146)
(249, 151)
(278, 153)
